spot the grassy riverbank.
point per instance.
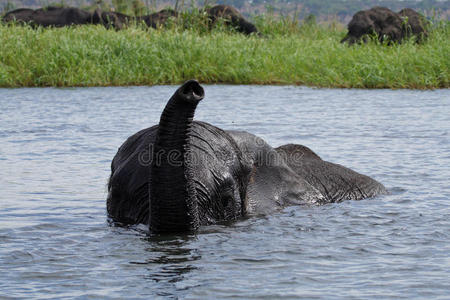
(288, 54)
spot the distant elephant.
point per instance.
(123, 18)
(232, 18)
(109, 19)
(21, 15)
(377, 20)
(414, 24)
(182, 174)
(61, 17)
(158, 19)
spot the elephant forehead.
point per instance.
(211, 144)
(215, 157)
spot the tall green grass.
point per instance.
(288, 53)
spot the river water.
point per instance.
(56, 146)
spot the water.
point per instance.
(56, 146)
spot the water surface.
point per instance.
(56, 146)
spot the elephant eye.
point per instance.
(227, 197)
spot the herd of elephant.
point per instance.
(386, 24)
(67, 16)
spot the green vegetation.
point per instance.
(287, 54)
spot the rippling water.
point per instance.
(56, 146)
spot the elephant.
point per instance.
(182, 174)
(122, 18)
(21, 15)
(158, 19)
(109, 19)
(62, 16)
(154, 20)
(414, 24)
(232, 18)
(377, 20)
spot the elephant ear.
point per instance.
(335, 182)
(272, 183)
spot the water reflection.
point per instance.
(170, 258)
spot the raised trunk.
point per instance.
(173, 199)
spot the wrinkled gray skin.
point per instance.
(182, 174)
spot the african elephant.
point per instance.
(414, 24)
(158, 19)
(182, 174)
(232, 18)
(109, 19)
(62, 16)
(21, 15)
(153, 20)
(377, 20)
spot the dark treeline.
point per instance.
(322, 9)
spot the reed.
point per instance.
(287, 53)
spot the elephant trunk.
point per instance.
(173, 198)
